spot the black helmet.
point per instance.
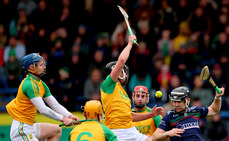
(179, 94)
(111, 65)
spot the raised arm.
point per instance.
(215, 107)
(122, 59)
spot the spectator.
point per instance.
(78, 74)
(19, 48)
(205, 95)
(144, 16)
(164, 77)
(63, 89)
(41, 16)
(183, 10)
(28, 5)
(180, 64)
(167, 16)
(217, 130)
(3, 36)
(182, 36)
(57, 57)
(165, 46)
(9, 7)
(120, 35)
(13, 70)
(140, 78)
(2, 74)
(158, 62)
(97, 62)
(92, 85)
(220, 48)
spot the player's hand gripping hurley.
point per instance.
(205, 75)
(62, 124)
(125, 15)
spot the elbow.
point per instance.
(216, 112)
(43, 111)
(122, 59)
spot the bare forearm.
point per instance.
(125, 53)
(159, 137)
(216, 105)
(140, 117)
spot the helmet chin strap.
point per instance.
(121, 78)
(36, 74)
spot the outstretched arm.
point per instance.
(154, 112)
(122, 59)
(52, 102)
(215, 107)
(46, 111)
(161, 135)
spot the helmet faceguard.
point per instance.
(31, 59)
(125, 72)
(93, 110)
(140, 90)
(180, 94)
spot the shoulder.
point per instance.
(170, 114)
(28, 81)
(108, 85)
(43, 83)
(194, 109)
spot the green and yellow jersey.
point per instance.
(148, 126)
(92, 130)
(116, 105)
(21, 108)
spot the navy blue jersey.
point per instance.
(187, 121)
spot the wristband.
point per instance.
(165, 134)
(217, 97)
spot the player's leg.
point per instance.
(130, 134)
(22, 132)
(48, 131)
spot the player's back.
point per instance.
(89, 130)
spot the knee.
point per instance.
(59, 130)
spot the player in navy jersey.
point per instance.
(181, 123)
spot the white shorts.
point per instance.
(129, 134)
(24, 132)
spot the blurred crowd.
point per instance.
(77, 38)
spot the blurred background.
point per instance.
(77, 38)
